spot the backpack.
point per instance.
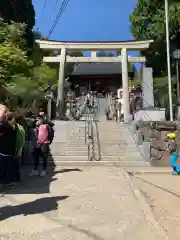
(50, 133)
(42, 133)
(20, 137)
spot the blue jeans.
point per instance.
(173, 160)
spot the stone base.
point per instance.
(153, 114)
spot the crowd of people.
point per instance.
(13, 133)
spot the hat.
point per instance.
(171, 135)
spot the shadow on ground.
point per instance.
(36, 184)
(36, 207)
(39, 185)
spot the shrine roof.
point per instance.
(97, 68)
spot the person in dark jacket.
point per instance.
(7, 148)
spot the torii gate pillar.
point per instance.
(124, 55)
(60, 92)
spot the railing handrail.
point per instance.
(96, 153)
(92, 135)
(87, 135)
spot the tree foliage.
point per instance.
(148, 22)
(13, 61)
(20, 11)
(18, 73)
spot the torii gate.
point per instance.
(93, 47)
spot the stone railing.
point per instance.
(150, 137)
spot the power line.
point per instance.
(44, 7)
(59, 15)
(55, 5)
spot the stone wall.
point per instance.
(155, 133)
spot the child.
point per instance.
(173, 151)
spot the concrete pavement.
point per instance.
(90, 203)
(162, 193)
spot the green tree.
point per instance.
(18, 74)
(42, 74)
(148, 22)
(21, 11)
(13, 61)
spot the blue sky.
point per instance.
(85, 20)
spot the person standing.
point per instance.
(118, 108)
(7, 149)
(44, 137)
(107, 112)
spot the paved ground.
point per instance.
(162, 191)
(80, 204)
(149, 169)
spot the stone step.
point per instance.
(74, 137)
(119, 129)
(122, 158)
(110, 145)
(69, 140)
(69, 144)
(116, 143)
(70, 136)
(120, 153)
(68, 158)
(68, 148)
(116, 135)
(69, 153)
(101, 163)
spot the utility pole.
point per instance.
(168, 59)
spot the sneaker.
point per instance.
(174, 173)
(34, 173)
(43, 173)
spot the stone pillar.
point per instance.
(60, 94)
(147, 88)
(125, 87)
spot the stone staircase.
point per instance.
(69, 142)
(117, 145)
